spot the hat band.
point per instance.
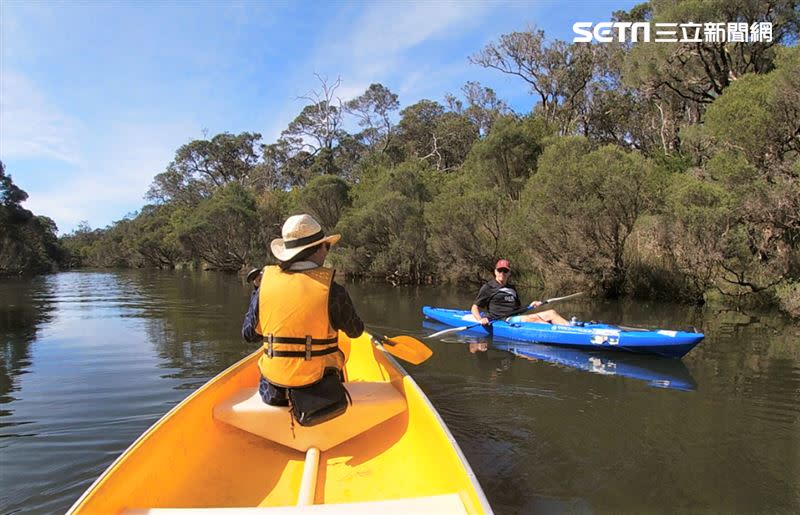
(299, 242)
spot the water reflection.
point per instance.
(25, 308)
(655, 371)
(91, 359)
(194, 322)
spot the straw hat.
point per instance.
(299, 232)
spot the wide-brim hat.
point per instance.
(299, 233)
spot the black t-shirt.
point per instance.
(501, 300)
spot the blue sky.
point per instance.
(96, 97)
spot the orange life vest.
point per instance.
(299, 342)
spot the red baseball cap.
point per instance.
(503, 263)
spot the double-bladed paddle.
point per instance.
(404, 347)
(513, 313)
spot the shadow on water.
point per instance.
(654, 370)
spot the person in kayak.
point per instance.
(500, 298)
(254, 278)
(298, 312)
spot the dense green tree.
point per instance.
(582, 206)
(219, 230)
(700, 71)
(202, 166)
(759, 115)
(272, 209)
(325, 198)
(750, 147)
(507, 157)
(430, 133)
(384, 234)
(154, 238)
(682, 79)
(28, 243)
(469, 228)
(77, 245)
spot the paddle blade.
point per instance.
(407, 348)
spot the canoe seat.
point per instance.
(433, 505)
(373, 403)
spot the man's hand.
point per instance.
(534, 304)
(484, 321)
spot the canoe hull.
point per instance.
(672, 344)
(189, 459)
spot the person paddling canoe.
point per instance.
(254, 278)
(500, 298)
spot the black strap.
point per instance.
(301, 353)
(299, 242)
(302, 341)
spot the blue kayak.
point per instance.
(579, 335)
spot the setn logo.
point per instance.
(603, 31)
(688, 32)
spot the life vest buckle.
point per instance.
(308, 347)
(270, 341)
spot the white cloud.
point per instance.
(32, 126)
(376, 47)
(120, 169)
(102, 173)
(391, 29)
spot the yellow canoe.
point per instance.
(222, 450)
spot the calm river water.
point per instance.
(91, 359)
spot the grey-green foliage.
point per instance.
(751, 141)
(470, 219)
(507, 157)
(202, 166)
(384, 235)
(480, 105)
(374, 110)
(427, 131)
(556, 72)
(325, 197)
(582, 206)
(154, 239)
(468, 227)
(219, 229)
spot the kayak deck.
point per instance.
(205, 453)
(579, 335)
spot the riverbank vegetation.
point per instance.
(28, 243)
(653, 170)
